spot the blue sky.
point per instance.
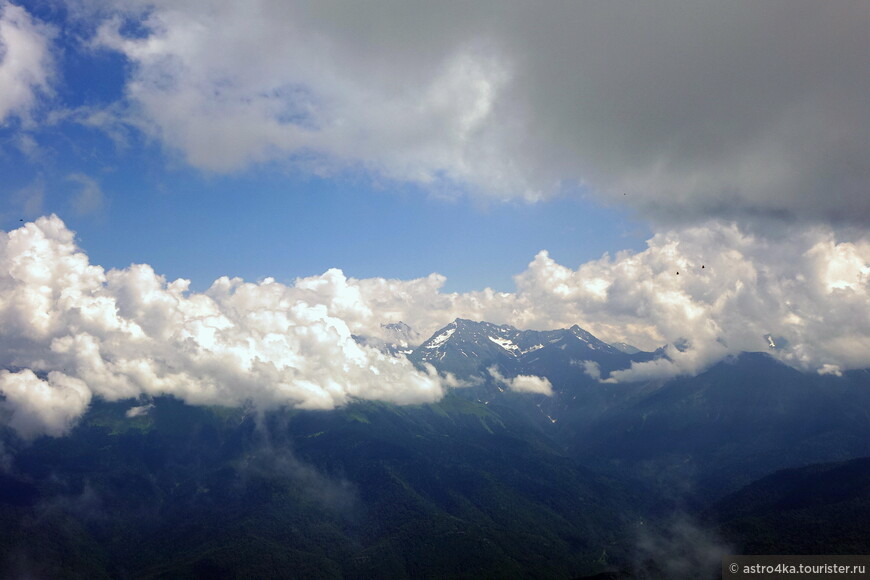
(268, 219)
(271, 222)
(283, 139)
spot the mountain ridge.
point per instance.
(468, 348)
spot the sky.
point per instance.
(208, 198)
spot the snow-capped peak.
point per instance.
(582, 334)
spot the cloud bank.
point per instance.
(681, 110)
(69, 330)
(707, 292)
(75, 330)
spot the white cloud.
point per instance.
(523, 383)
(590, 368)
(733, 290)
(207, 86)
(138, 410)
(126, 333)
(37, 406)
(531, 384)
(734, 109)
(829, 369)
(26, 63)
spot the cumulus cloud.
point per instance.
(73, 330)
(738, 109)
(716, 290)
(707, 292)
(523, 383)
(26, 63)
(125, 333)
(38, 406)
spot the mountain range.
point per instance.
(468, 348)
(745, 416)
(501, 478)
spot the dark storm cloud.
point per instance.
(680, 109)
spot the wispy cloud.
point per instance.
(681, 548)
(26, 62)
(29, 200)
(89, 199)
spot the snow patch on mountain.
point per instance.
(440, 339)
(506, 344)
